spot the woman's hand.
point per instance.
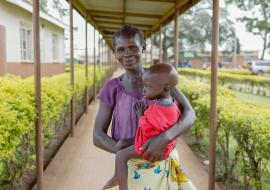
(155, 148)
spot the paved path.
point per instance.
(79, 165)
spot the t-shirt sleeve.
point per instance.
(108, 93)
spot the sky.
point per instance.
(248, 41)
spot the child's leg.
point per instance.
(121, 170)
(111, 183)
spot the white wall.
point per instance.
(11, 16)
(47, 30)
(9, 19)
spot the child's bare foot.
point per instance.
(111, 183)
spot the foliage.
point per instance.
(243, 145)
(195, 30)
(43, 5)
(196, 24)
(256, 24)
(241, 82)
(56, 4)
(235, 71)
(254, 80)
(18, 116)
(62, 11)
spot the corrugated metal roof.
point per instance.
(109, 15)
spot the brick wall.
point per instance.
(27, 69)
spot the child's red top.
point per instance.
(156, 119)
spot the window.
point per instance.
(26, 41)
(262, 63)
(55, 46)
(42, 43)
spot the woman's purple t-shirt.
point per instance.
(125, 120)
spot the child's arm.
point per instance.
(187, 119)
(121, 168)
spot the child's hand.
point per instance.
(139, 108)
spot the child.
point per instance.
(161, 114)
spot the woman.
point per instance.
(116, 103)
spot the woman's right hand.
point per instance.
(100, 137)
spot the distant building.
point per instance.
(225, 60)
(16, 40)
(240, 60)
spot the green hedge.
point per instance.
(18, 115)
(243, 138)
(228, 77)
(251, 84)
(235, 71)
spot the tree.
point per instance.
(196, 30)
(43, 5)
(236, 47)
(62, 11)
(254, 24)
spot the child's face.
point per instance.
(153, 88)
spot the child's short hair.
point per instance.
(168, 72)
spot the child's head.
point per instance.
(158, 80)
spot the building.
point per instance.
(16, 40)
(225, 60)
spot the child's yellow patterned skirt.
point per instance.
(163, 175)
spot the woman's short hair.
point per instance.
(128, 31)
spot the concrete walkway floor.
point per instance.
(79, 165)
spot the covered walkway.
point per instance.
(78, 162)
(79, 165)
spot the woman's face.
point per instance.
(128, 52)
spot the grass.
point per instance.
(260, 100)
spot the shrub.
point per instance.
(246, 83)
(243, 145)
(18, 116)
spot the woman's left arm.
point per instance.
(155, 147)
(187, 119)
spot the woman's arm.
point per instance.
(187, 119)
(100, 137)
(155, 147)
